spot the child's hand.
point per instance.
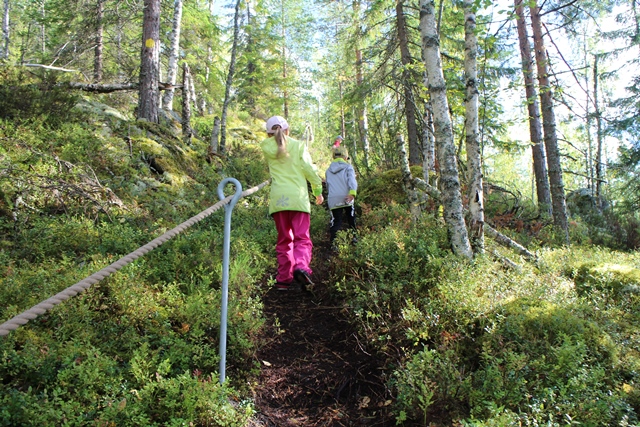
(319, 199)
(350, 198)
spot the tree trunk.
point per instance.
(599, 137)
(4, 44)
(559, 205)
(229, 84)
(415, 151)
(428, 143)
(407, 180)
(363, 123)
(251, 67)
(343, 122)
(474, 167)
(149, 63)
(588, 164)
(43, 33)
(194, 95)
(285, 95)
(174, 53)
(187, 132)
(446, 151)
(535, 131)
(98, 58)
(215, 135)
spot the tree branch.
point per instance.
(559, 7)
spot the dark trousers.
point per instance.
(339, 216)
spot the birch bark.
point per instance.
(98, 57)
(428, 143)
(230, 74)
(599, 135)
(363, 123)
(474, 161)
(4, 45)
(174, 53)
(445, 148)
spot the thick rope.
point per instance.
(35, 311)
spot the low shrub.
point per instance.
(141, 347)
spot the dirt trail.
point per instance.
(314, 369)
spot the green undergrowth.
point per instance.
(549, 343)
(140, 347)
(552, 342)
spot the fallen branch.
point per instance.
(101, 88)
(427, 188)
(49, 67)
(108, 88)
(488, 230)
(509, 243)
(506, 261)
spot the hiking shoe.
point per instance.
(281, 286)
(303, 278)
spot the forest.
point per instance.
(495, 277)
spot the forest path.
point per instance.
(315, 371)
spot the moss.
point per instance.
(608, 278)
(385, 188)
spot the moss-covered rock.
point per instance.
(385, 188)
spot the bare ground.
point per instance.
(315, 371)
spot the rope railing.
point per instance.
(41, 308)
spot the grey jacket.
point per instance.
(341, 181)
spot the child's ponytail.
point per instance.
(281, 141)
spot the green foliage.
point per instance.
(385, 188)
(608, 278)
(24, 96)
(140, 347)
(489, 346)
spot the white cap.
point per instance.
(276, 120)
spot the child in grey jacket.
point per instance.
(342, 188)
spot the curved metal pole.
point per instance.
(225, 268)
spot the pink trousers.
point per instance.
(294, 245)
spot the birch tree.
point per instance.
(445, 148)
(149, 62)
(599, 162)
(363, 121)
(533, 108)
(474, 167)
(98, 50)
(285, 93)
(232, 68)
(428, 143)
(556, 183)
(174, 52)
(4, 44)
